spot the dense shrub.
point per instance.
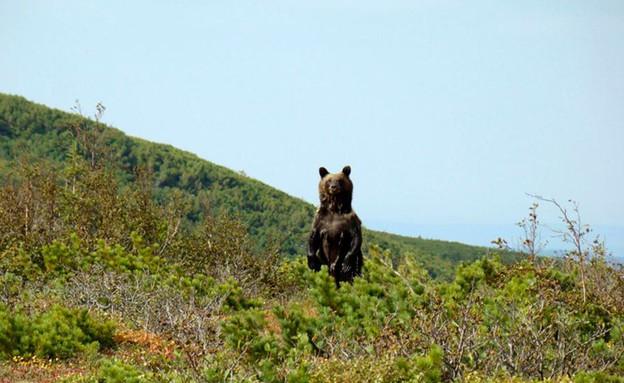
(56, 333)
(394, 324)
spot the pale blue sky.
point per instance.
(447, 111)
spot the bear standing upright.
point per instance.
(336, 236)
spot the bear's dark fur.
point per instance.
(336, 236)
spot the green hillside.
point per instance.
(38, 133)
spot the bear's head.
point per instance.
(335, 190)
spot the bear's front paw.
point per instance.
(314, 263)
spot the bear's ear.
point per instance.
(323, 172)
(346, 170)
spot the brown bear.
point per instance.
(336, 236)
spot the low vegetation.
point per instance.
(104, 278)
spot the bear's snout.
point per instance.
(334, 187)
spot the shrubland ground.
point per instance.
(106, 279)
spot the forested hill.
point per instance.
(35, 134)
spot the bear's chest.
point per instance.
(335, 226)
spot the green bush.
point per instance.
(384, 368)
(597, 377)
(56, 333)
(114, 371)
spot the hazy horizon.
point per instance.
(484, 234)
